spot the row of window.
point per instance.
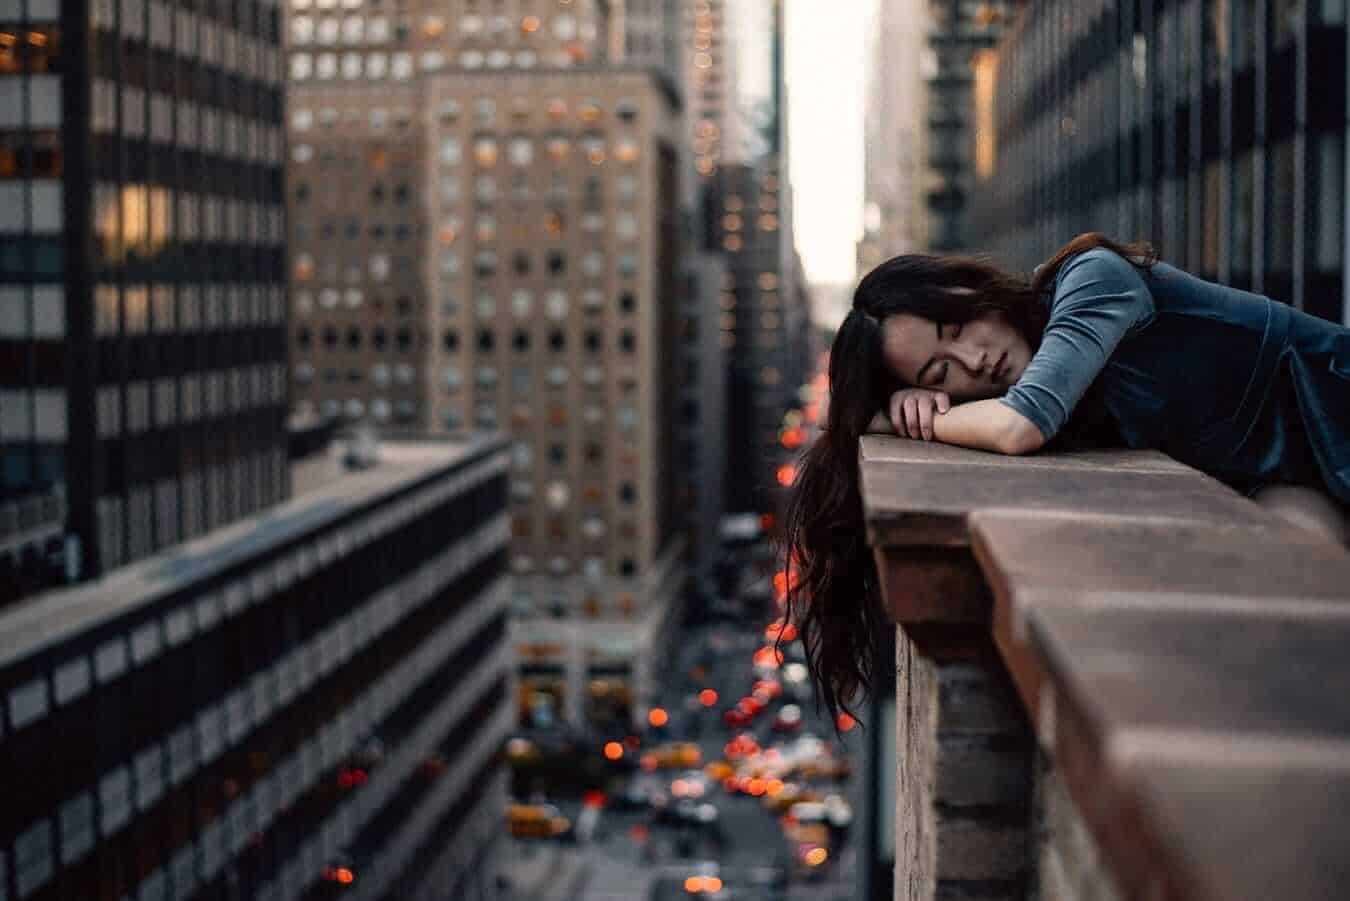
(520, 149)
(190, 35)
(139, 218)
(449, 112)
(626, 341)
(486, 416)
(379, 266)
(137, 406)
(162, 308)
(522, 378)
(355, 28)
(399, 66)
(137, 113)
(593, 568)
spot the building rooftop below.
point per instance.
(328, 492)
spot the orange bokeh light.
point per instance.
(345, 876)
(707, 697)
(613, 750)
(787, 474)
(846, 722)
(648, 762)
(658, 717)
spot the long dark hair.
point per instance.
(832, 591)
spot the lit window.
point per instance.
(594, 148)
(498, 25)
(450, 189)
(380, 409)
(328, 298)
(593, 529)
(487, 306)
(353, 298)
(521, 302)
(625, 226)
(449, 110)
(485, 188)
(768, 222)
(471, 25)
(556, 376)
(556, 304)
(379, 266)
(379, 374)
(593, 263)
(565, 27)
(626, 150)
(303, 267)
(521, 151)
(592, 299)
(471, 59)
(627, 264)
(432, 61)
(353, 29)
(485, 228)
(302, 29)
(498, 59)
(327, 31)
(301, 66)
(450, 377)
(325, 65)
(732, 242)
(592, 222)
(556, 108)
(401, 66)
(557, 495)
(351, 66)
(593, 414)
(593, 376)
(485, 108)
(557, 147)
(378, 30)
(302, 153)
(450, 264)
(433, 26)
(768, 281)
(487, 376)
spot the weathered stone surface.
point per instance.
(1138, 673)
(880, 448)
(916, 699)
(1243, 833)
(1105, 562)
(977, 699)
(924, 585)
(973, 771)
(969, 849)
(927, 505)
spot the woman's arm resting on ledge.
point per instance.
(988, 425)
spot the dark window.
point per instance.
(627, 302)
(521, 341)
(594, 452)
(521, 263)
(557, 262)
(556, 341)
(401, 193)
(627, 567)
(485, 340)
(378, 338)
(593, 340)
(330, 337)
(354, 338)
(404, 305)
(627, 492)
(404, 340)
(557, 454)
(303, 337)
(627, 342)
(451, 340)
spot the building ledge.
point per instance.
(1176, 654)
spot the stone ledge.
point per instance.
(1168, 657)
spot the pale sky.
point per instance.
(824, 59)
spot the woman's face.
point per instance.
(982, 358)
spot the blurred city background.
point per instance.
(398, 399)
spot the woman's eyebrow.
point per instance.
(918, 378)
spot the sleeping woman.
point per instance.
(1103, 345)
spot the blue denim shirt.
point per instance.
(1235, 384)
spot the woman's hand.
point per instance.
(912, 411)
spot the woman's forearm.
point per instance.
(987, 425)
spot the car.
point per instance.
(789, 719)
(536, 821)
(736, 718)
(639, 794)
(688, 812)
(678, 755)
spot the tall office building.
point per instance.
(1215, 130)
(746, 212)
(142, 311)
(306, 703)
(894, 130)
(712, 108)
(485, 235)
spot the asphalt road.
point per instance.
(748, 846)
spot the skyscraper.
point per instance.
(142, 312)
(485, 235)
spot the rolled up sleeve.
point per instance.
(1099, 297)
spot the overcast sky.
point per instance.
(825, 120)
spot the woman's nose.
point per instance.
(973, 358)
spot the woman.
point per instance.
(1104, 344)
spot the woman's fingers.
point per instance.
(944, 403)
(926, 418)
(912, 416)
